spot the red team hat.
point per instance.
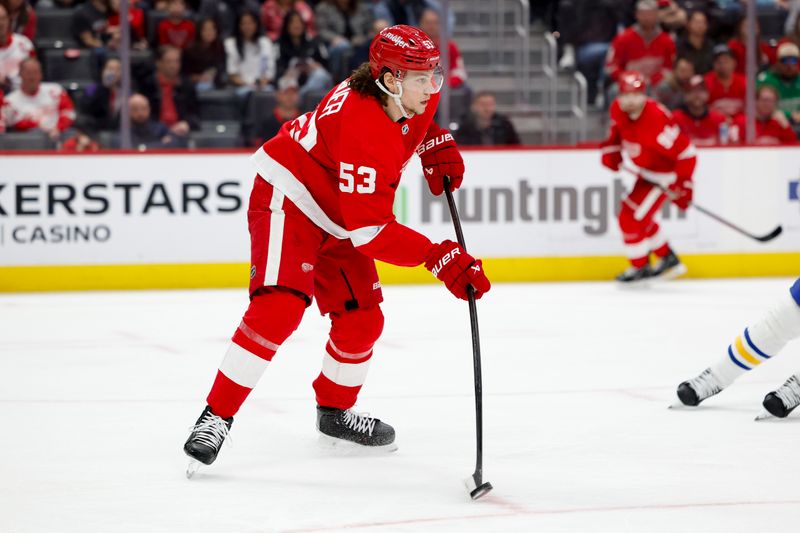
(632, 81)
(401, 48)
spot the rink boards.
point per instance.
(179, 220)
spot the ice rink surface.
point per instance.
(98, 391)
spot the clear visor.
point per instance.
(427, 81)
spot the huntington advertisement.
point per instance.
(192, 208)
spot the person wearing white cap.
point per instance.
(784, 77)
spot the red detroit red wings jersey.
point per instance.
(704, 130)
(654, 142)
(629, 51)
(341, 165)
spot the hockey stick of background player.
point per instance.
(760, 238)
(475, 484)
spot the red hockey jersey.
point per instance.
(654, 142)
(769, 132)
(704, 130)
(728, 100)
(629, 51)
(341, 164)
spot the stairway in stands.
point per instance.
(490, 36)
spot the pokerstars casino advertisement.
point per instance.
(190, 208)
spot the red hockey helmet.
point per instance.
(401, 48)
(632, 81)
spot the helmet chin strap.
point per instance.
(395, 97)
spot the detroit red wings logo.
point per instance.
(634, 150)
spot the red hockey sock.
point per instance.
(268, 322)
(662, 251)
(346, 361)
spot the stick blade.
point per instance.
(771, 235)
(481, 490)
(476, 488)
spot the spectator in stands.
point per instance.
(672, 89)
(177, 29)
(37, 105)
(403, 11)
(544, 16)
(23, 17)
(80, 139)
(793, 34)
(302, 57)
(287, 107)
(727, 88)
(484, 125)
(672, 16)
(342, 24)
(101, 101)
(2, 112)
(274, 11)
(172, 96)
(587, 28)
(361, 53)
(429, 22)
(14, 49)
(695, 44)
(642, 47)
(737, 45)
(204, 60)
(704, 126)
(149, 133)
(772, 127)
(90, 23)
(138, 36)
(250, 55)
(784, 78)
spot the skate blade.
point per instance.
(342, 447)
(674, 272)
(192, 469)
(763, 415)
(641, 284)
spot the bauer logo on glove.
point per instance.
(450, 263)
(440, 157)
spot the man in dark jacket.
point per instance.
(146, 132)
(484, 126)
(172, 96)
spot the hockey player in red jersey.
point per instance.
(320, 214)
(644, 130)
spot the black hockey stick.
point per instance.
(476, 486)
(760, 238)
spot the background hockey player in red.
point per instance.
(320, 214)
(645, 131)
